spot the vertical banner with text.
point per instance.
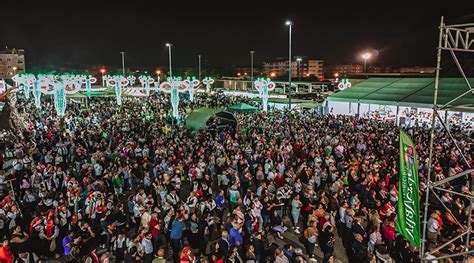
(408, 216)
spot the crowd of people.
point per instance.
(130, 184)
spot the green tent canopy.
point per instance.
(408, 92)
(242, 107)
(78, 95)
(309, 105)
(198, 118)
(283, 100)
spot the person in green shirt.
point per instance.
(117, 183)
(234, 196)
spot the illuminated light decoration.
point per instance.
(72, 83)
(131, 80)
(105, 78)
(88, 81)
(118, 82)
(65, 84)
(344, 84)
(264, 86)
(190, 84)
(146, 81)
(26, 89)
(24, 82)
(174, 86)
(157, 85)
(40, 80)
(60, 101)
(208, 81)
(59, 86)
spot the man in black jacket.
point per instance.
(358, 250)
(326, 240)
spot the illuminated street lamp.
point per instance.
(157, 83)
(14, 71)
(289, 24)
(251, 67)
(123, 62)
(102, 72)
(273, 74)
(366, 56)
(298, 61)
(199, 70)
(169, 45)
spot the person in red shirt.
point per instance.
(388, 232)
(279, 180)
(323, 220)
(6, 256)
(187, 256)
(156, 233)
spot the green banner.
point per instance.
(408, 216)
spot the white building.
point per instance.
(12, 61)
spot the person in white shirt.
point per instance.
(257, 212)
(173, 198)
(18, 165)
(191, 202)
(98, 169)
(148, 248)
(433, 228)
(341, 226)
(120, 245)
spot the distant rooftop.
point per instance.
(12, 51)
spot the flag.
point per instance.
(408, 216)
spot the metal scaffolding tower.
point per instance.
(453, 39)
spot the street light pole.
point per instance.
(199, 56)
(366, 56)
(123, 62)
(290, 24)
(251, 67)
(102, 71)
(169, 45)
(298, 60)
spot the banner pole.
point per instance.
(433, 122)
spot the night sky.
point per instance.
(93, 33)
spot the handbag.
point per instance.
(52, 246)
